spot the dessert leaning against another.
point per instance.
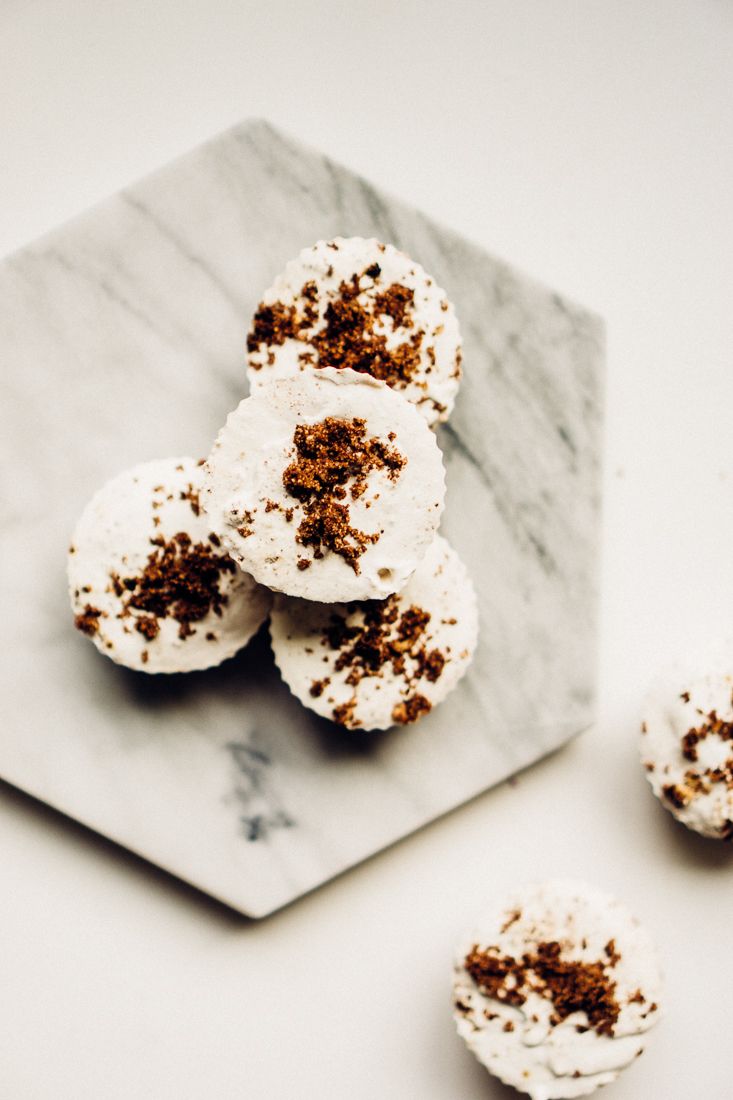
(359, 304)
(687, 747)
(379, 663)
(326, 485)
(555, 990)
(150, 583)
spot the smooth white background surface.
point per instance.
(590, 143)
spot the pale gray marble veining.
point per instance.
(122, 337)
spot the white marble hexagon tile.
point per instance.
(122, 339)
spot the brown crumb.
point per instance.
(329, 455)
(711, 725)
(88, 620)
(514, 916)
(181, 580)
(318, 687)
(347, 335)
(508, 1026)
(675, 795)
(571, 986)
(613, 955)
(273, 325)
(431, 664)
(343, 714)
(697, 780)
(148, 626)
(689, 741)
(411, 709)
(375, 634)
(350, 340)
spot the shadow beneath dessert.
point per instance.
(250, 669)
(249, 679)
(693, 849)
(337, 742)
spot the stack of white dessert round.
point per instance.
(319, 506)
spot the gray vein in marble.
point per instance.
(179, 243)
(100, 283)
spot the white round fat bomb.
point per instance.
(326, 485)
(687, 748)
(149, 581)
(357, 303)
(554, 992)
(374, 664)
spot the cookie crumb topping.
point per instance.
(571, 986)
(351, 332)
(328, 455)
(181, 580)
(383, 637)
(88, 620)
(701, 780)
(411, 709)
(193, 497)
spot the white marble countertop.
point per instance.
(590, 146)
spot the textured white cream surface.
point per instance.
(439, 586)
(155, 500)
(523, 1044)
(430, 320)
(687, 746)
(245, 478)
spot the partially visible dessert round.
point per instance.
(359, 304)
(326, 485)
(555, 990)
(149, 581)
(379, 663)
(687, 747)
